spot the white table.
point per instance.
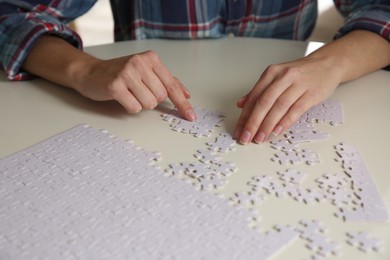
(217, 72)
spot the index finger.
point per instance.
(179, 99)
(176, 92)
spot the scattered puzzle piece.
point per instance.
(284, 145)
(202, 127)
(223, 168)
(223, 143)
(364, 241)
(335, 181)
(207, 156)
(306, 136)
(296, 157)
(313, 231)
(291, 175)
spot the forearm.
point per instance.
(138, 81)
(355, 54)
(56, 60)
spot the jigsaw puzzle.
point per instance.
(65, 187)
(85, 194)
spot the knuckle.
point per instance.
(150, 104)
(152, 55)
(136, 60)
(171, 86)
(288, 120)
(112, 90)
(293, 115)
(281, 104)
(263, 102)
(298, 109)
(161, 96)
(272, 69)
(292, 72)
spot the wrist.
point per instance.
(79, 72)
(330, 63)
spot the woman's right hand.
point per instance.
(139, 81)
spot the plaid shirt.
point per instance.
(23, 21)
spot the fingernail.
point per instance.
(187, 92)
(277, 130)
(236, 134)
(190, 115)
(241, 99)
(245, 137)
(260, 137)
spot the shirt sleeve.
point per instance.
(22, 23)
(370, 15)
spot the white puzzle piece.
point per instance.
(329, 111)
(363, 241)
(202, 127)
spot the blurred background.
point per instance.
(96, 26)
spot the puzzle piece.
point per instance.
(210, 182)
(329, 111)
(324, 247)
(309, 196)
(287, 158)
(291, 175)
(246, 199)
(296, 157)
(280, 233)
(301, 126)
(223, 143)
(284, 145)
(202, 127)
(197, 170)
(310, 228)
(175, 169)
(340, 197)
(223, 168)
(258, 183)
(335, 181)
(364, 241)
(207, 156)
(314, 232)
(306, 136)
(309, 157)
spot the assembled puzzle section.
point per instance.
(329, 111)
(202, 127)
(304, 131)
(370, 205)
(210, 172)
(85, 194)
